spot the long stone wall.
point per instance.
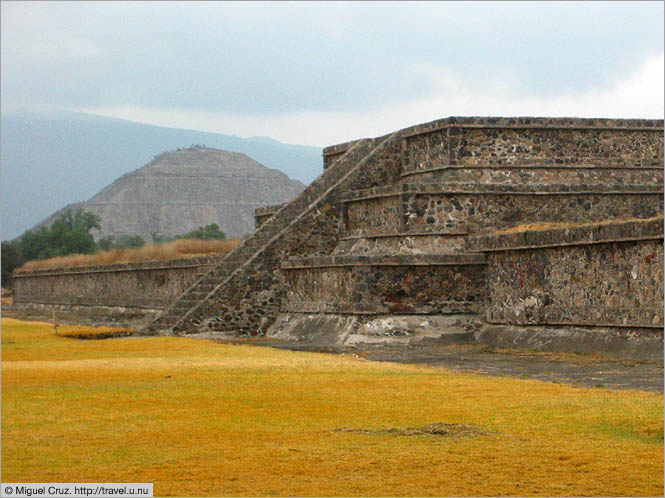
(130, 289)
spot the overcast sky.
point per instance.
(324, 72)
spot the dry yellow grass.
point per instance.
(542, 225)
(200, 419)
(184, 248)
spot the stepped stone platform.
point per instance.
(399, 242)
(400, 222)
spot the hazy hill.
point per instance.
(51, 160)
(181, 190)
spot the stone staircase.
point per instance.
(176, 315)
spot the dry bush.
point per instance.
(183, 248)
(546, 225)
(83, 332)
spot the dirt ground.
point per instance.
(581, 370)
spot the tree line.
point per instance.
(70, 234)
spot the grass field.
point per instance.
(198, 418)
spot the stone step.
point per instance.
(187, 302)
(441, 259)
(198, 295)
(546, 173)
(481, 188)
(404, 243)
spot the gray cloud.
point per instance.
(264, 58)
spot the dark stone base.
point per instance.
(115, 316)
(625, 343)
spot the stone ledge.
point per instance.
(610, 316)
(452, 231)
(631, 343)
(497, 189)
(451, 307)
(155, 304)
(533, 122)
(515, 122)
(124, 316)
(331, 150)
(334, 149)
(264, 210)
(592, 233)
(450, 259)
(553, 166)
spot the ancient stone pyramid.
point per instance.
(181, 190)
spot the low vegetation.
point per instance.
(197, 418)
(184, 248)
(68, 234)
(83, 332)
(123, 242)
(543, 225)
(207, 232)
(68, 243)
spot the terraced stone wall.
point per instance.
(607, 274)
(379, 284)
(477, 208)
(523, 141)
(559, 173)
